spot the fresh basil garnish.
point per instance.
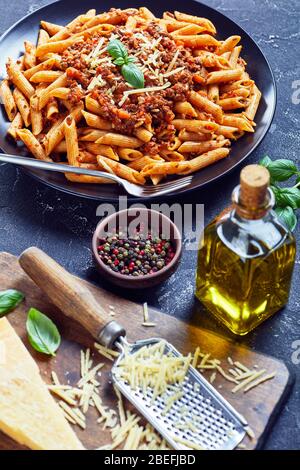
(42, 332)
(130, 71)
(9, 299)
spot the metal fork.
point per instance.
(131, 188)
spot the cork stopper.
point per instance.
(254, 180)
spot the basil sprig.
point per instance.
(9, 299)
(43, 335)
(130, 71)
(287, 198)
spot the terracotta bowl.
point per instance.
(128, 218)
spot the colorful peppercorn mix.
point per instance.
(136, 256)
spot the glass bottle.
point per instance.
(246, 257)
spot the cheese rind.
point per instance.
(28, 413)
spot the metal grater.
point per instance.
(219, 425)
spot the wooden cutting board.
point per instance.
(259, 406)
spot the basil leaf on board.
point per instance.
(116, 49)
(133, 75)
(287, 197)
(42, 332)
(288, 216)
(9, 299)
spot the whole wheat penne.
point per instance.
(29, 56)
(45, 76)
(58, 46)
(97, 122)
(17, 123)
(197, 20)
(194, 136)
(195, 125)
(205, 104)
(234, 56)
(189, 29)
(185, 108)
(195, 41)
(45, 94)
(47, 65)
(233, 103)
(32, 144)
(22, 105)
(93, 106)
(120, 140)
(8, 100)
(240, 122)
(123, 171)
(131, 23)
(43, 37)
(202, 147)
(129, 154)
(52, 110)
(35, 116)
(139, 163)
(56, 134)
(222, 76)
(91, 135)
(254, 100)
(206, 159)
(71, 140)
(51, 28)
(18, 79)
(172, 155)
(86, 179)
(210, 59)
(229, 44)
(213, 93)
(100, 149)
(228, 132)
(143, 134)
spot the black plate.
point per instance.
(61, 12)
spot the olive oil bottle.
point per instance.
(246, 257)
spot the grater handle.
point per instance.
(70, 295)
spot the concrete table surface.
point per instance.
(62, 225)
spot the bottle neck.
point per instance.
(252, 213)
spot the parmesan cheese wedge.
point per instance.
(28, 413)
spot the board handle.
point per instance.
(69, 295)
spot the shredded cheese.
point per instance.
(143, 90)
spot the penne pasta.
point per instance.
(23, 106)
(119, 140)
(32, 144)
(17, 123)
(71, 140)
(8, 100)
(70, 98)
(35, 116)
(19, 80)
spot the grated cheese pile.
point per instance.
(151, 368)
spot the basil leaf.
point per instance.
(288, 216)
(133, 75)
(116, 49)
(9, 299)
(265, 161)
(287, 197)
(119, 61)
(42, 333)
(130, 60)
(282, 169)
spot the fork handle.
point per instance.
(70, 295)
(59, 167)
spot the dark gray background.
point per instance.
(62, 225)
